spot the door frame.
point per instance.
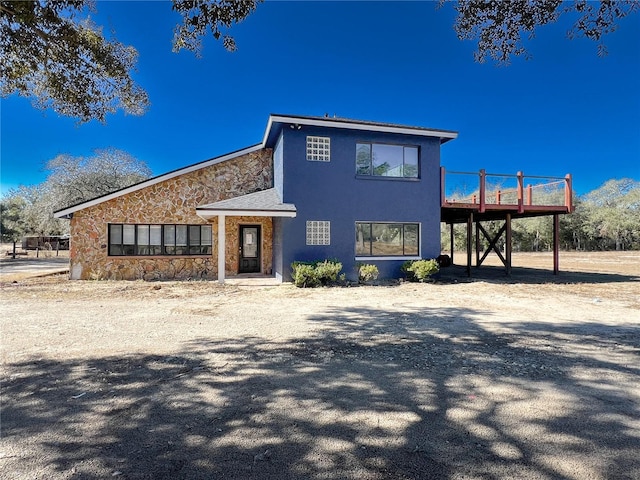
(241, 227)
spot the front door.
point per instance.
(249, 249)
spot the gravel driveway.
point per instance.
(483, 379)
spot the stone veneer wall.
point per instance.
(167, 202)
(232, 247)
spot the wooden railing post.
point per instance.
(482, 190)
(529, 195)
(498, 197)
(520, 192)
(568, 198)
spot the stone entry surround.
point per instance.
(173, 201)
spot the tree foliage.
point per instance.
(612, 215)
(12, 225)
(498, 26)
(53, 54)
(62, 61)
(202, 16)
(71, 180)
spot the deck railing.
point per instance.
(484, 190)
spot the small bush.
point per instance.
(408, 273)
(367, 273)
(305, 275)
(423, 269)
(327, 271)
(312, 274)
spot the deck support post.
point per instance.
(556, 244)
(507, 245)
(221, 247)
(469, 242)
(453, 243)
(478, 262)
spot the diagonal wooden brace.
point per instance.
(492, 243)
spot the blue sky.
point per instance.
(564, 111)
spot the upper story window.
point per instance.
(130, 239)
(382, 160)
(318, 149)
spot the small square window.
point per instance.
(318, 149)
(318, 232)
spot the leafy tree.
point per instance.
(36, 213)
(612, 215)
(201, 16)
(52, 53)
(499, 26)
(12, 226)
(64, 62)
(71, 180)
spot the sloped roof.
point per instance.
(277, 121)
(66, 212)
(275, 124)
(262, 203)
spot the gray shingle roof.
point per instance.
(265, 200)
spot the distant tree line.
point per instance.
(607, 218)
(28, 210)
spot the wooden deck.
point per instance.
(475, 197)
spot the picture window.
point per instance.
(143, 239)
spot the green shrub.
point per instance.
(423, 269)
(304, 275)
(327, 271)
(367, 273)
(408, 273)
(312, 274)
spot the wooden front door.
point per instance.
(249, 249)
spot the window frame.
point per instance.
(387, 177)
(376, 256)
(166, 247)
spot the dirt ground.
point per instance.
(530, 377)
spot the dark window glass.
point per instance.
(387, 239)
(127, 239)
(410, 168)
(115, 239)
(155, 239)
(363, 159)
(382, 160)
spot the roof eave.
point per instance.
(443, 135)
(211, 212)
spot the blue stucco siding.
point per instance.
(277, 165)
(331, 191)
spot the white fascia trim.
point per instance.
(167, 176)
(206, 214)
(358, 126)
(364, 259)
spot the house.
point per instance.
(314, 188)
